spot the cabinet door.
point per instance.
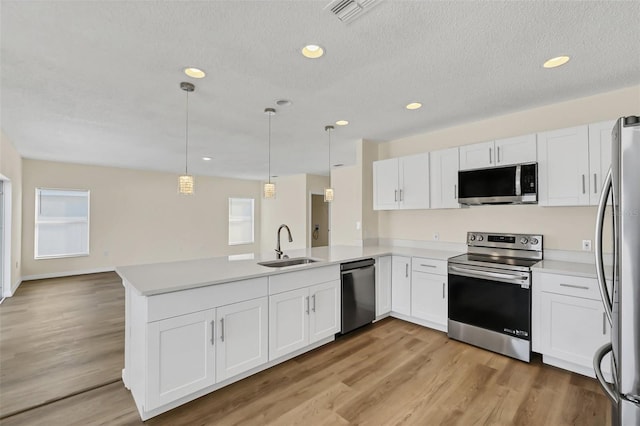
(573, 329)
(429, 297)
(383, 285)
(443, 167)
(401, 285)
(477, 155)
(181, 357)
(324, 319)
(385, 184)
(520, 149)
(563, 167)
(288, 322)
(242, 342)
(414, 182)
(599, 157)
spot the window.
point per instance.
(240, 221)
(62, 223)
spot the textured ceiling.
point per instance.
(97, 82)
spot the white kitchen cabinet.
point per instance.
(181, 357)
(242, 337)
(443, 166)
(429, 297)
(401, 285)
(303, 316)
(599, 157)
(563, 167)
(569, 323)
(401, 183)
(383, 286)
(501, 152)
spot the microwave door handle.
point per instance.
(608, 388)
(602, 283)
(518, 186)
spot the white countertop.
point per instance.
(587, 270)
(158, 278)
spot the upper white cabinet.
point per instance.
(401, 285)
(383, 286)
(401, 183)
(501, 152)
(443, 166)
(573, 163)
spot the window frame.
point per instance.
(252, 221)
(37, 222)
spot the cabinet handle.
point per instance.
(604, 321)
(313, 306)
(222, 329)
(595, 183)
(213, 332)
(395, 195)
(428, 266)
(455, 191)
(583, 189)
(581, 287)
(490, 157)
(498, 154)
(406, 270)
(401, 195)
(307, 304)
(443, 290)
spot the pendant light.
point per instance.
(269, 188)
(328, 192)
(185, 182)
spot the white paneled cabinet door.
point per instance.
(414, 182)
(181, 357)
(383, 285)
(563, 166)
(324, 316)
(429, 298)
(443, 167)
(288, 322)
(572, 329)
(242, 338)
(385, 184)
(516, 150)
(477, 155)
(401, 285)
(599, 157)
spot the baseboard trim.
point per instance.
(68, 273)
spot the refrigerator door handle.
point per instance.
(608, 388)
(602, 283)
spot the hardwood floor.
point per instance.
(391, 373)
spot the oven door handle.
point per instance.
(522, 280)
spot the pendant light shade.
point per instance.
(185, 182)
(328, 192)
(269, 190)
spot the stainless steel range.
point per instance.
(490, 292)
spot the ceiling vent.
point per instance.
(349, 10)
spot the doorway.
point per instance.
(319, 221)
(5, 237)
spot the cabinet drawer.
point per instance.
(429, 266)
(568, 285)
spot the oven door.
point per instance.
(493, 299)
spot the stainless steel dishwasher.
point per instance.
(358, 294)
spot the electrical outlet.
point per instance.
(436, 236)
(586, 245)
(358, 225)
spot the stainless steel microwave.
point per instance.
(516, 184)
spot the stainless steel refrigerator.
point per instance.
(622, 304)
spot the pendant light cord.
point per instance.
(186, 145)
(269, 177)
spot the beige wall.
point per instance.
(287, 208)
(315, 185)
(563, 228)
(320, 217)
(11, 168)
(346, 208)
(137, 216)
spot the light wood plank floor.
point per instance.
(391, 373)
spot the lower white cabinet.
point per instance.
(242, 337)
(429, 298)
(383, 285)
(300, 317)
(401, 285)
(181, 357)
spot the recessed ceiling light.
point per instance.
(342, 122)
(414, 105)
(556, 62)
(206, 158)
(194, 72)
(283, 102)
(312, 51)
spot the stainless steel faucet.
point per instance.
(278, 251)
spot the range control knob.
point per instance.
(472, 237)
(524, 240)
(480, 238)
(534, 241)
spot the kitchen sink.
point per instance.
(280, 263)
